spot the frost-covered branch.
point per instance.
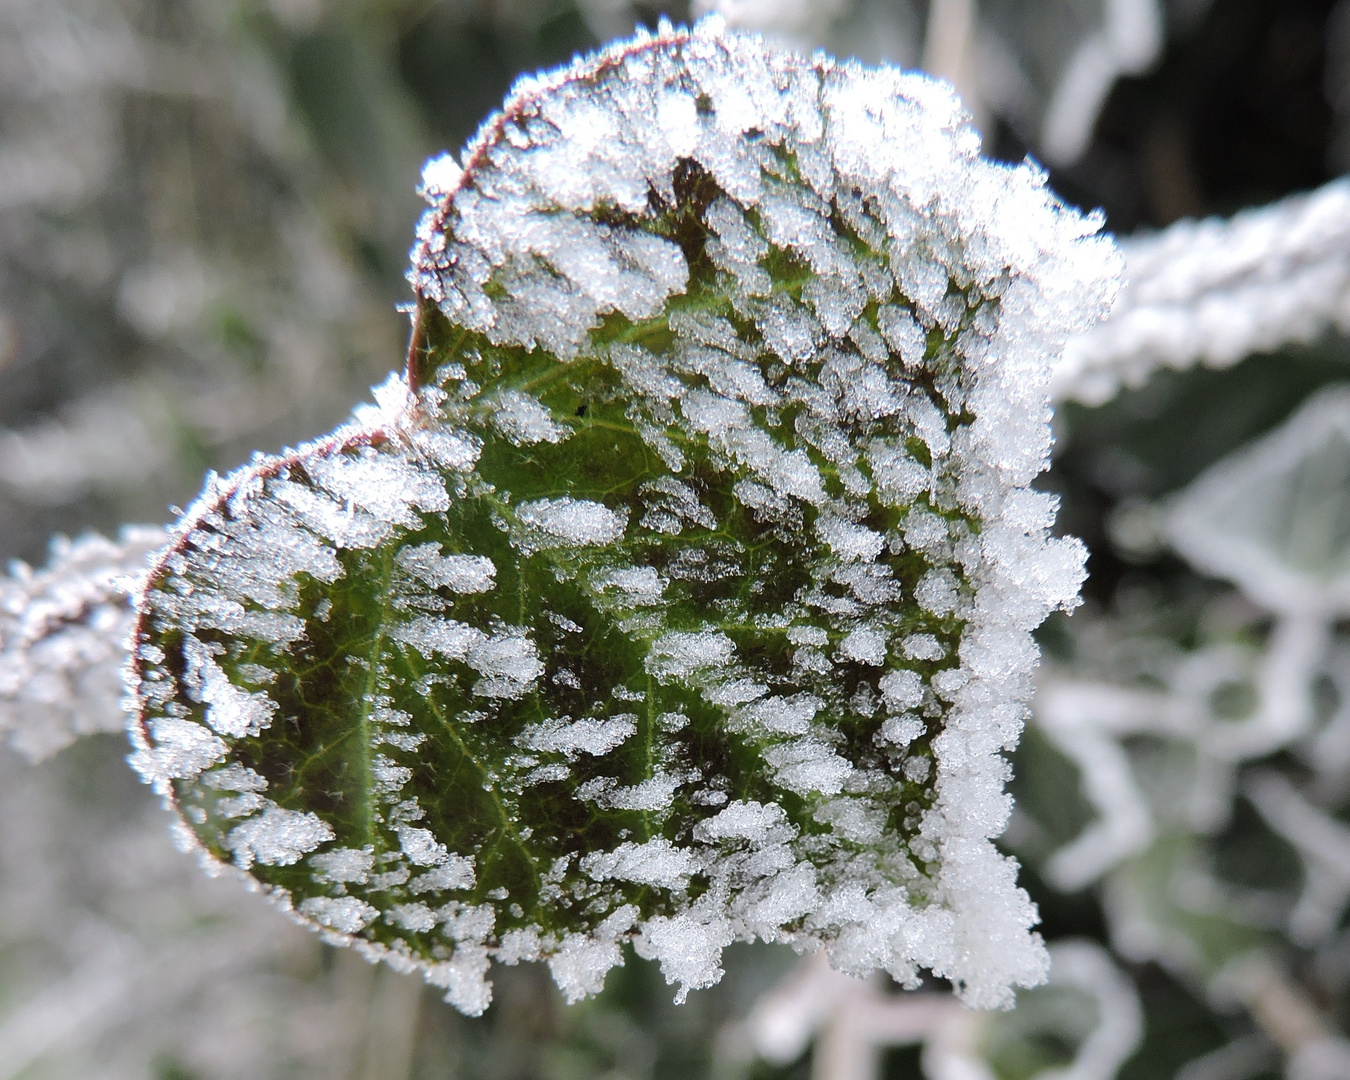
(63, 639)
(1213, 292)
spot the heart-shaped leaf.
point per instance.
(681, 592)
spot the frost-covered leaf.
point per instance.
(1159, 911)
(1274, 517)
(682, 591)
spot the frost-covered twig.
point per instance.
(1213, 292)
(1323, 846)
(63, 635)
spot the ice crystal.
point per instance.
(682, 591)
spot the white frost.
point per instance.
(657, 862)
(458, 573)
(587, 736)
(678, 656)
(277, 837)
(345, 914)
(341, 865)
(568, 522)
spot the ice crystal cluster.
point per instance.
(681, 591)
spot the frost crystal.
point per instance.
(682, 592)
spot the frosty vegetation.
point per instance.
(681, 590)
(1187, 763)
(1172, 737)
(1214, 292)
(62, 630)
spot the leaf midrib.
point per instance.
(363, 731)
(505, 822)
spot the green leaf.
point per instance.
(681, 592)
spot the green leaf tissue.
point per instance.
(681, 590)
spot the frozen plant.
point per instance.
(1213, 292)
(62, 630)
(681, 590)
(1088, 1004)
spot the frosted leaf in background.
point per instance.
(1171, 899)
(1158, 746)
(1048, 67)
(647, 385)
(1083, 723)
(1323, 845)
(1044, 67)
(847, 1022)
(1213, 292)
(1164, 907)
(1271, 518)
(1090, 722)
(1327, 751)
(1274, 517)
(63, 639)
(1157, 729)
(120, 955)
(1088, 1006)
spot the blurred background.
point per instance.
(205, 209)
